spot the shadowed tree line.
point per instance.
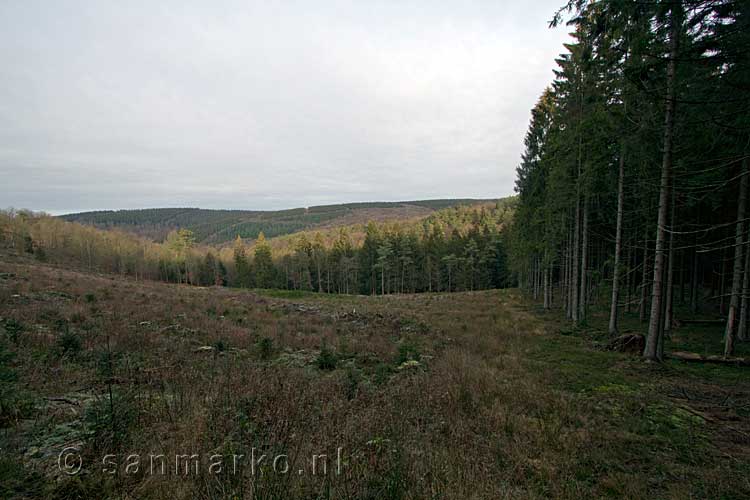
(633, 184)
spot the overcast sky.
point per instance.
(265, 105)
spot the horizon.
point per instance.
(75, 212)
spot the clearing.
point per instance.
(464, 395)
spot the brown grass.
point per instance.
(498, 405)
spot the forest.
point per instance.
(634, 181)
(217, 227)
(454, 249)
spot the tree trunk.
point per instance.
(742, 328)
(564, 278)
(682, 277)
(629, 279)
(694, 279)
(569, 278)
(618, 246)
(734, 301)
(584, 293)
(540, 275)
(652, 351)
(551, 286)
(644, 280)
(722, 280)
(670, 274)
(429, 276)
(576, 273)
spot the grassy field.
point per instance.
(454, 396)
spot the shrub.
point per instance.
(7, 383)
(90, 298)
(352, 383)
(265, 348)
(12, 329)
(382, 373)
(69, 343)
(407, 352)
(14, 402)
(327, 359)
(40, 254)
(106, 362)
(28, 244)
(61, 324)
(110, 420)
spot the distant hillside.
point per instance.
(459, 217)
(220, 226)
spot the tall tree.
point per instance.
(739, 243)
(654, 342)
(265, 271)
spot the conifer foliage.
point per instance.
(634, 177)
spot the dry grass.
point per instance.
(471, 395)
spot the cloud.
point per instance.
(265, 105)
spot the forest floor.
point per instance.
(465, 395)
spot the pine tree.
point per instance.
(265, 272)
(243, 275)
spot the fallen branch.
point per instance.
(695, 357)
(63, 400)
(680, 322)
(697, 413)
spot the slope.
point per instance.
(219, 226)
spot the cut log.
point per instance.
(695, 357)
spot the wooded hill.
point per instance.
(452, 249)
(220, 226)
(635, 175)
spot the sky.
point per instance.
(265, 105)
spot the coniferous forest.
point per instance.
(634, 179)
